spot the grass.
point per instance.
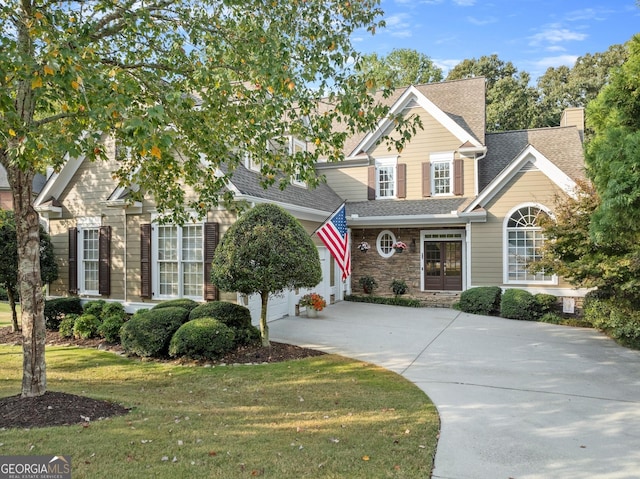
(5, 314)
(322, 417)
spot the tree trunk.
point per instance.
(34, 377)
(11, 294)
(264, 327)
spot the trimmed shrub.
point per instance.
(233, 315)
(149, 333)
(518, 304)
(110, 328)
(546, 303)
(481, 300)
(185, 303)
(202, 338)
(236, 316)
(113, 309)
(618, 318)
(66, 325)
(86, 326)
(55, 310)
(408, 302)
(94, 307)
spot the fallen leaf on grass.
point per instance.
(365, 458)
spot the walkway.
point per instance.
(516, 399)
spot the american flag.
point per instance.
(335, 236)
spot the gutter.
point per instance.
(413, 220)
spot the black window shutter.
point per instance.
(145, 260)
(211, 238)
(104, 265)
(426, 179)
(371, 183)
(73, 260)
(458, 179)
(402, 180)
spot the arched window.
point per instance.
(524, 240)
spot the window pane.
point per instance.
(192, 279)
(525, 241)
(167, 243)
(441, 178)
(168, 283)
(90, 259)
(386, 181)
(192, 243)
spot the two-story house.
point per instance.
(465, 202)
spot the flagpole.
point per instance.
(329, 217)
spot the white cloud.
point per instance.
(556, 34)
(556, 48)
(396, 20)
(544, 63)
(465, 3)
(482, 21)
(586, 14)
(445, 64)
(398, 26)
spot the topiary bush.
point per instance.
(94, 307)
(110, 328)
(55, 310)
(86, 326)
(236, 316)
(149, 333)
(202, 338)
(66, 325)
(519, 304)
(185, 303)
(481, 300)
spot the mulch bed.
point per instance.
(58, 409)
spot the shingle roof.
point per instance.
(432, 206)
(561, 145)
(322, 197)
(462, 100)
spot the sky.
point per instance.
(532, 34)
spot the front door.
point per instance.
(443, 265)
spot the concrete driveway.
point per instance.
(516, 399)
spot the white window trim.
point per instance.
(391, 161)
(441, 158)
(155, 283)
(378, 246)
(84, 224)
(505, 247)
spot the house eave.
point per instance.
(133, 208)
(300, 212)
(346, 163)
(49, 211)
(413, 220)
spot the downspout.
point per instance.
(475, 167)
(468, 226)
(124, 213)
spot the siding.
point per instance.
(348, 183)
(487, 238)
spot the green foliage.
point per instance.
(546, 303)
(110, 327)
(202, 338)
(265, 251)
(481, 300)
(399, 287)
(395, 301)
(551, 318)
(611, 154)
(67, 325)
(148, 334)
(401, 67)
(86, 326)
(94, 307)
(620, 319)
(55, 310)
(518, 304)
(236, 316)
(368, 284)
(184, 303)
(113, 309)
(3, 294)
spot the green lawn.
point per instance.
(322, 417)
(5, 314)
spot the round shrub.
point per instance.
(202, 338)
(113, 309)
(481, 300)
(552, 318)
(398, 286)
(67, 324)
(55, 310)
(148, 333)
(86, 326)
(94, 307)
(546, 303)
(233, 315)
(518, 304)
(185, 303)
(110, 328)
